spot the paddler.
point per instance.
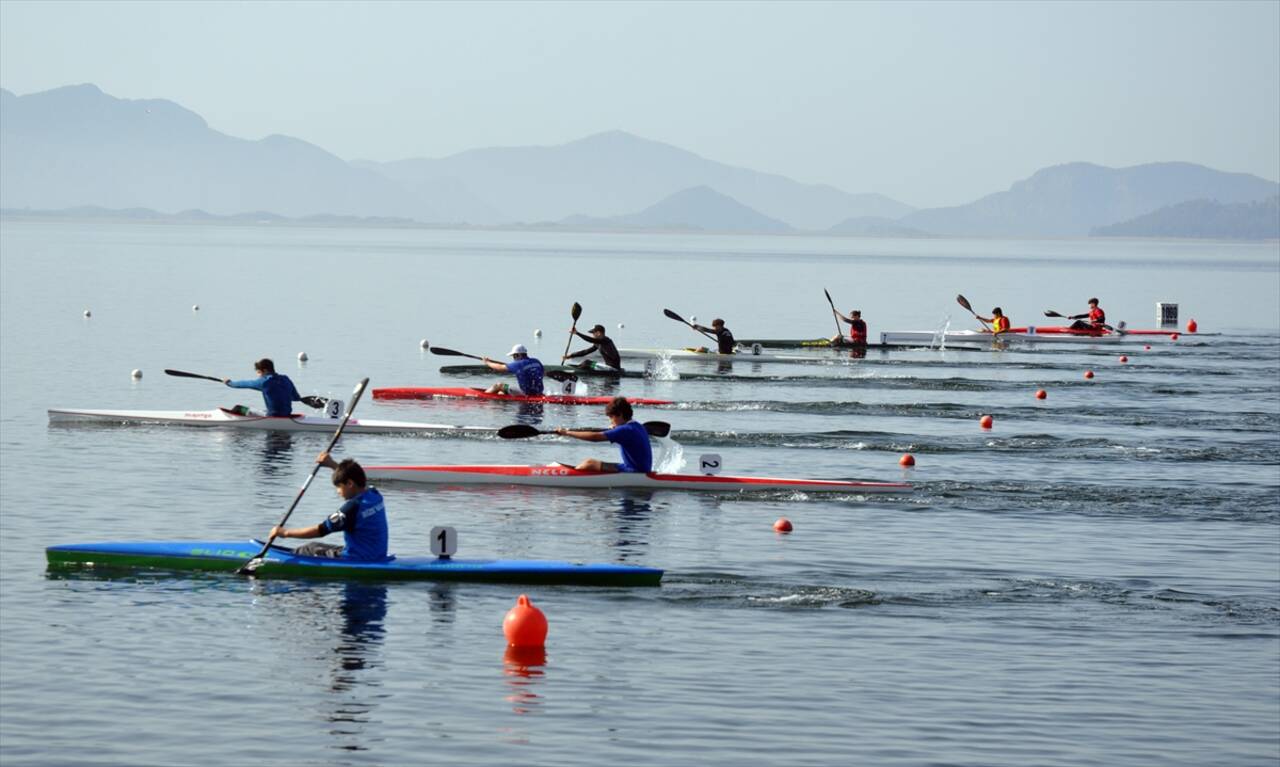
(724, 339)
(599, 343)
(630, 437)
(998, 322)
(1094, 319)
(857, 329)
(526, 369)
(278, 392)
(362, 518)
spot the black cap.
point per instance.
(598, 329)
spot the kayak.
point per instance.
(1024, 335)
(746, 355)
(591, 372)
(559, 475)
(226, 418)
(281, 562)
(465, 392)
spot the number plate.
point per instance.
(444, 541)
(709, 463)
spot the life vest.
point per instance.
(1097, 317)
(1000, 325)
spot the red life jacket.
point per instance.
(1000, 324)
(858, 331)
(1097, 316)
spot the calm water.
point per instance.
(1096, 581)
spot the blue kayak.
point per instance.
(282, 562)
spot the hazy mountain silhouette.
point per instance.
(1072, 199)
(616, 173)
(875, 226)
(700, 207)
(1203, 218)
(78, 146)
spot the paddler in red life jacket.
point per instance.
(998, 322)
(1094, 319)
(857, 329)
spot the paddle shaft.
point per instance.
(575, 312)
(834, 313)
(185, 374)
(252, 564)
(678, 318)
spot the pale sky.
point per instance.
(929, 103)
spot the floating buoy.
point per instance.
(621, 326)
(195, 307)
(88, 313)
(1124, 358)
(537, 332)
(1191, 326)
(423, 343)
(1088, 374)
(783, 525)
(1041, 394)
(693, 318)
(986, 421)
(1174, 337)
(1147, 347)
(302, 357)
(907, 459)
(525, 625)
(136, 374)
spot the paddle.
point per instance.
(522, 431)
(443, 352)
(835, 315)
(968, 307)
(310, 400)
(253, 564)
(576, 312)
(678, 318)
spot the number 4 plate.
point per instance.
(444, 541)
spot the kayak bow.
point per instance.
(224, 418)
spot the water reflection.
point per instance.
(442, 603)
(363, 610)
(631, 523)
(529, 413)
(857, 351)
(274, 450)
(523, 668)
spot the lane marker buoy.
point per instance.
(783, 525)
(907, 459)
(1088, 374)
(423, 343)
(525, 625)
(302, 357)
(1041, 394)
(986, 422)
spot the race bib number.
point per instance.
(709, 463)
(334, 408)
(444, 541)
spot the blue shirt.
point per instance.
(633, 439)
(363, 522)
(528, 372)
(277, 391)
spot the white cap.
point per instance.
(517, 349)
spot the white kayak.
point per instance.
(229, 419)
(983, 338)
(745, 355)
(559, 475)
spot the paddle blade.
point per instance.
(313, 401)
(560, 375)
(185, 374)
(965, 303)
(833, 303)
(443, 352)
(675, 316)
(1052, 313)
(517, 431)
(576, 312)
(657, 428)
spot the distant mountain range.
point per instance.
(1206, 219)
(77, 146)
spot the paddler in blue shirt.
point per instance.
(277, 390)
(362, 518)
(527, 370)
(630, 437)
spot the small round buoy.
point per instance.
(783, 525)
(1124, 358)
(302, 357)
(1192, 326)
(621, 326)
(423, 343)
(1088, 374)
(907, 459)
(986, 422)
(537, 332)
(1147, 347)
(136, 374)
(693, 318)
(1041, 394)
(88, 313)
(525, 625)
(195, 307)
(1174, 337)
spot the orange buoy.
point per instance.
(1124, 358)
(1147, 347)
(1041, 394)
(1088, 374)
(1174, 337)
(1191, 326)
(986, 421)
(783, 525)
(907, 459)
(525, 625)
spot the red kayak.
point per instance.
(1070, 331)
(465, 392)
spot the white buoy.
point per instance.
(537, 333)
(88, 313)
(136, 374)
(424, 344)
(195, 307)
(693, 318)
(302, 356)
(621, 326)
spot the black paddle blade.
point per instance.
(185, 374)
(518, 431)
(1052, 313)
(312, 400)
(675, 316)
(560, 375)
(965, 303)
(576, 312)
(657, 428)
(833, 303)
(443, 352)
